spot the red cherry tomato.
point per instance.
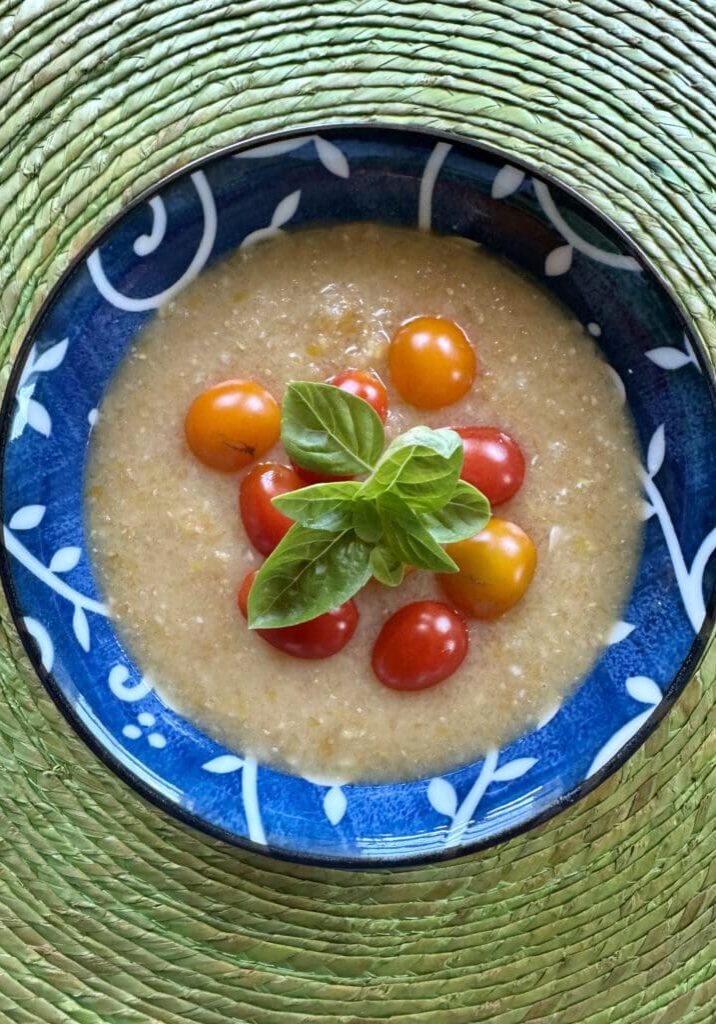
(309, 477)
(363, 385)
(493, 463)
(321, 637)
(419, 646)
(263, 522)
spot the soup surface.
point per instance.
(170, 550)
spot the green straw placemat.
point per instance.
(109, 911)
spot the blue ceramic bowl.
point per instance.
(334, 174)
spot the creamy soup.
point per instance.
(170, 550)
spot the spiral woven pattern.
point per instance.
(111, 912)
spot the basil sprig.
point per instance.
(421, 467)
(409, 502)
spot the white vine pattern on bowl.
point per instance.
(668, 357)
(644, 690)
(121, 686)
(43, 640)
(145, 721)
(335, 803)
(144, 245)
(618, 385)
(330, 155)
(443, 798)
(619, 631)
(30, 412)
(27, 518)
(689, 580)
(433, 166)
(281, 215)
(111, 743)
(507, 180)
(226, 763)
(560, 260)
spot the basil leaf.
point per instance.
(323, 506)
(327, 430)
(386, 568)
(421, 467)
(467, 512)
(366, 521)
(310, 572)
(407, 539)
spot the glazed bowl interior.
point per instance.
(338, 175)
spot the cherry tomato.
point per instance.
(263, 522)
(231, 424)
(321, 637)
(493, 463)
(363, 385)
(419, 646)
(309, 477)
(431, 361)
(496, 568)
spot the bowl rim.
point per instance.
(676, 684)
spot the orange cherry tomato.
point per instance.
(496, 568)
(420, 645)
(493, 462)
(321, 637)
(231, 424)
(431, 362)
(367, 386)
(263, 522)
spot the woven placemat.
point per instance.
(111, 912)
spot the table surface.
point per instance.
(111, 912)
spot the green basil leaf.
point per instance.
(421, 467)
(327, 430)
(407, 539)
(467, 512)
(310, 572)
(386, 567)
(322, 506)
(366, 521)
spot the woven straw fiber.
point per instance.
(111, 912)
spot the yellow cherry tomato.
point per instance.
(231, 424)
(496, 568)
(431, 362)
